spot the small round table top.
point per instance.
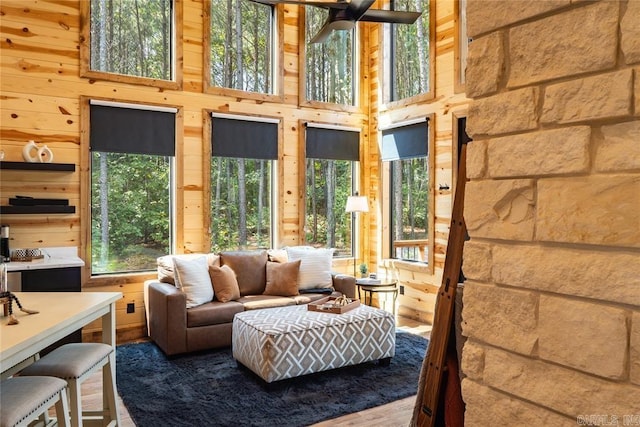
(375, 283)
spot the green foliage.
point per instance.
(136, 198)
(132, 37)
(241, 45)
(228, 215)
(329, 65)
(411, 219)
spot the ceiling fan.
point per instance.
(344, 14)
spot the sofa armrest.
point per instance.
(345, 284)
(167, 316)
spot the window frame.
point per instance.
(387, 254)
(356, 184)
(176, 45)
(384, 68)
(276, 172)
(460, 46)
(277, 60)
(357, 61)
(177, 199)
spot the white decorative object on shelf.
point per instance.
(32, 153)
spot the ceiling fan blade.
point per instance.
(390, 16)
(339, 4)
(323, 34)
(357, 8)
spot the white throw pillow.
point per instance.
(192, 277)
(315, 266)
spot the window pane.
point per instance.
(409, 201)
(240, 203)
(329, 183)
(133, 38)
(130, 211)
(410, 53)
(241, 45)
(329, 65)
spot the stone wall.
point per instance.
(552, 301)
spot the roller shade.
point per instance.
(244, 138)
(333, 144)
(405, 142)
(132, 130)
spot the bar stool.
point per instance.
(75, 363)
(24, 399)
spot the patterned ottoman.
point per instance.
(286, 342)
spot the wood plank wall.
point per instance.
(41, 99)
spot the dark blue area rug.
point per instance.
(208, 389)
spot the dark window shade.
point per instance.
(405, 142)
(332, 144)
(244, 139)
(132, 131)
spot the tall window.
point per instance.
(408, 66)
(241, 50)
(132, 153)
(132, 38)
(330, 66)
(244, 153)
(332, 155)
(406, 150)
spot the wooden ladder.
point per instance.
(429, 396)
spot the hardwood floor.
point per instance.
(390, 415)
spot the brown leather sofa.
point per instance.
(177, 329)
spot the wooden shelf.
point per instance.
(40, 209)
(25, 166)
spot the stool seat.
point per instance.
(23, 399)
(70, 361)
(75, 363)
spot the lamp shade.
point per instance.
(357, 204)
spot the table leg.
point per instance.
(109, 337)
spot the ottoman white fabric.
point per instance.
(286, 342)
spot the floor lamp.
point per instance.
(356, 204)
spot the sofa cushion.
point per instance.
(165, 265)
(225, 284)
(192, 277)
(282, 278)
(213, 313)
(278, 255)
(250, 268)
(315, 268)
(254, 302)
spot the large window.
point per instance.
(409, 61)
(130, 38)
(330, 66)
(132, 153)
(332, 155)
(406, 149)
(244, 153)
(241, 45)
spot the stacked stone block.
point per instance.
(552, 300)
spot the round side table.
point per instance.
(384, 287)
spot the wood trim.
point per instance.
(458, 84)
(302, 179)
(85, 53)
(85, 188)
(278, 77)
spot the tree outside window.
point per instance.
(408, 69)
(132, 37)
(241, 45)
(240, 203)
(330, 66)
(328, 184)
(130, 211)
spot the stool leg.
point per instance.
(75, 399)
(62, 409)
(109, 389)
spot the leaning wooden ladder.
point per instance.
(431, 384)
